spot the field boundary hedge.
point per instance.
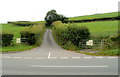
(33, 34)
(91, 20)
(6, 39)
(70, 35)
(23, 23)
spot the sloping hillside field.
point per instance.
(106, 15)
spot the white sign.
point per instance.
(18, 40)
(90, 43)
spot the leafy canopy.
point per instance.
(52, 16)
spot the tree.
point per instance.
(52, 16)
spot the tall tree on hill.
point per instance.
(52, 16)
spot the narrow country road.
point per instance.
(51, 59)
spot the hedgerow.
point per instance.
(91, 20)
(69, 33)
(112, 42)
(33, 34)
(23, 23)
(6, 39)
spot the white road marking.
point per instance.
(52, 57)
(99, 57)
(39, 57)
(69, 66)
(75, 57)
(88, 57)
(112, 57)
(64, 57)
(27, 57)
(17, 57)
(6, 57)
(49, 55)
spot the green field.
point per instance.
(10, 28)
(101, 27)
(98, 30)
(105, 15)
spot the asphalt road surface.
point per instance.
(51, 59)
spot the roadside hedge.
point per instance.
(6, 39)
(112, 42)
(33, 34)
(64, 33)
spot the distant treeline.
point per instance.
(91, 20)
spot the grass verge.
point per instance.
(112, 52)
(17, 48)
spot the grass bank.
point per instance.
(111, 52)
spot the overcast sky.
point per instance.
(35, 10)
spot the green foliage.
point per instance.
(33, 34)
(30, 37)
(101, 29)
(69, 33)
(70, 46)
(112, 42)
(17, 48)
(11, 28)
(6, 39)
(52, 16)
(23, 23)
(115, 38)
(111, 52)
(77, 33)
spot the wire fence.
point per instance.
(97, 44)
(19, 40)
(93, 44)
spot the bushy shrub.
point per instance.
(115, 38)
(70, 32)
(69, 46)
(6, 39)
(77, 33)
(30, 37)
(112, 42)
(33, 34)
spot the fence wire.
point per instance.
(96, 44)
